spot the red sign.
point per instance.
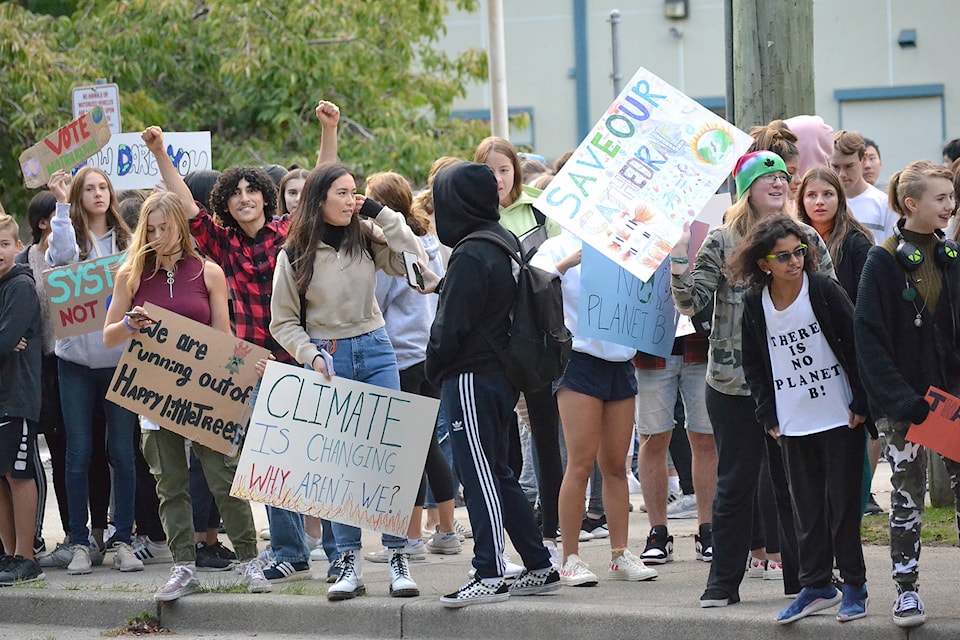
(941, 430)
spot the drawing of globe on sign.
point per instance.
(713, 145)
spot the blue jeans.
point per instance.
(81, 389)
(366, 358)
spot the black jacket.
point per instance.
(834, 313)
(479, 287)
(853, 256)
(898, 360)
(19, 371)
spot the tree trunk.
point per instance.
(772, 60)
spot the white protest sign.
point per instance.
(130, 165)
(337, 449)
(105, 96)
(648, 166)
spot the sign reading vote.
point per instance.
(65, 148)
(80, 293)
(130, 165)
(337, 449)
(188, 378)
(648, 166)
(616, 306)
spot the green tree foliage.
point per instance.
(251, 72)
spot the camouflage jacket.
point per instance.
(693, 290)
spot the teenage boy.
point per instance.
(872, 163)
(868, 204)
(20, 347)
(473, 313)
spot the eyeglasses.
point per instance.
(785, 256)
(772, 178)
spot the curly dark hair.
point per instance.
(226, 186)
(742, 268)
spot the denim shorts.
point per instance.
(657, 396)
(598, 378)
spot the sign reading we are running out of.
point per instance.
(188, 378)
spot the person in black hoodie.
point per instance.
(19, 409)
(473, 317)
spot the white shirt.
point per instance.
(552, 251)
(811, 388)
(872, 209)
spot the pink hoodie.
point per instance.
(814, 140)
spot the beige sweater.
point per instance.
(340, 298)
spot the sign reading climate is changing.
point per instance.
(336, 449)
(188, 378)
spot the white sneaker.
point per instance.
(182, 582)
(124, 558)
(80, 563)
(401, 584)
(265, 533)
(755, 567)
(317, 554)
(476, 591)
(773, 570)
(350, 583)
(416, 549)
(444, 543)
(510, 568)
(631, 568)
(149, 552)
(576, 573)
(462, 531)
(684, 508)
(254, 579)
(633, 484)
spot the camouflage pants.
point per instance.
(908, 462)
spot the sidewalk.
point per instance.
(666, 607)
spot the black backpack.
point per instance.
(539, 341)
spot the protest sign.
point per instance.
(940, 432)
(65, 148)
(79, 294)
(106, 96)
(188, 378)
(648, 166)
(336, 449)
(619, 307)
(130, 165)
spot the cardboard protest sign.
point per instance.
(648, 166)
(80, 294)
(619, 307)
(65, 148)
(336, 449)
(188, 378)
(941, 430)
(130, 165)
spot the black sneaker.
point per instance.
(659, 548)
(208, 560)
(475, 591)
(223, 552)
(287, 571)
(872, 508)
(908, 609)
(532, 583)
(704, 543)
(19, 570)
(716, 598)
(39, 546)
(595, 527)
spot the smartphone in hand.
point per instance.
(414, 273)
(136, 315)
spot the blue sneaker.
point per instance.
(854, 603)
(809, 601)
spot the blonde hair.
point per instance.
(393, 190)
(504, 147)
(141, 254)
(9, 222)
(78, 215)
(911, 182)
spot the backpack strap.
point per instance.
(494, 238)
(538, 216)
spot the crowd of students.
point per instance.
(813, 273)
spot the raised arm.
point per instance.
(329, 116)
(153, 138)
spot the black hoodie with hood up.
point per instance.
(19, 370)
(479, 286)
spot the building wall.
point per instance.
(905, 104)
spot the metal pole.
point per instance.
(496, 57)
(728, 58)
(615, 45)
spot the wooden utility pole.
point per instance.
(772, 60)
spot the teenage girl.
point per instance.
(907, 340)
(799, 361)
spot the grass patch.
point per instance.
(226, 587)
(36, 584)
(304, 589)
(939, 528)
(139, 625)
